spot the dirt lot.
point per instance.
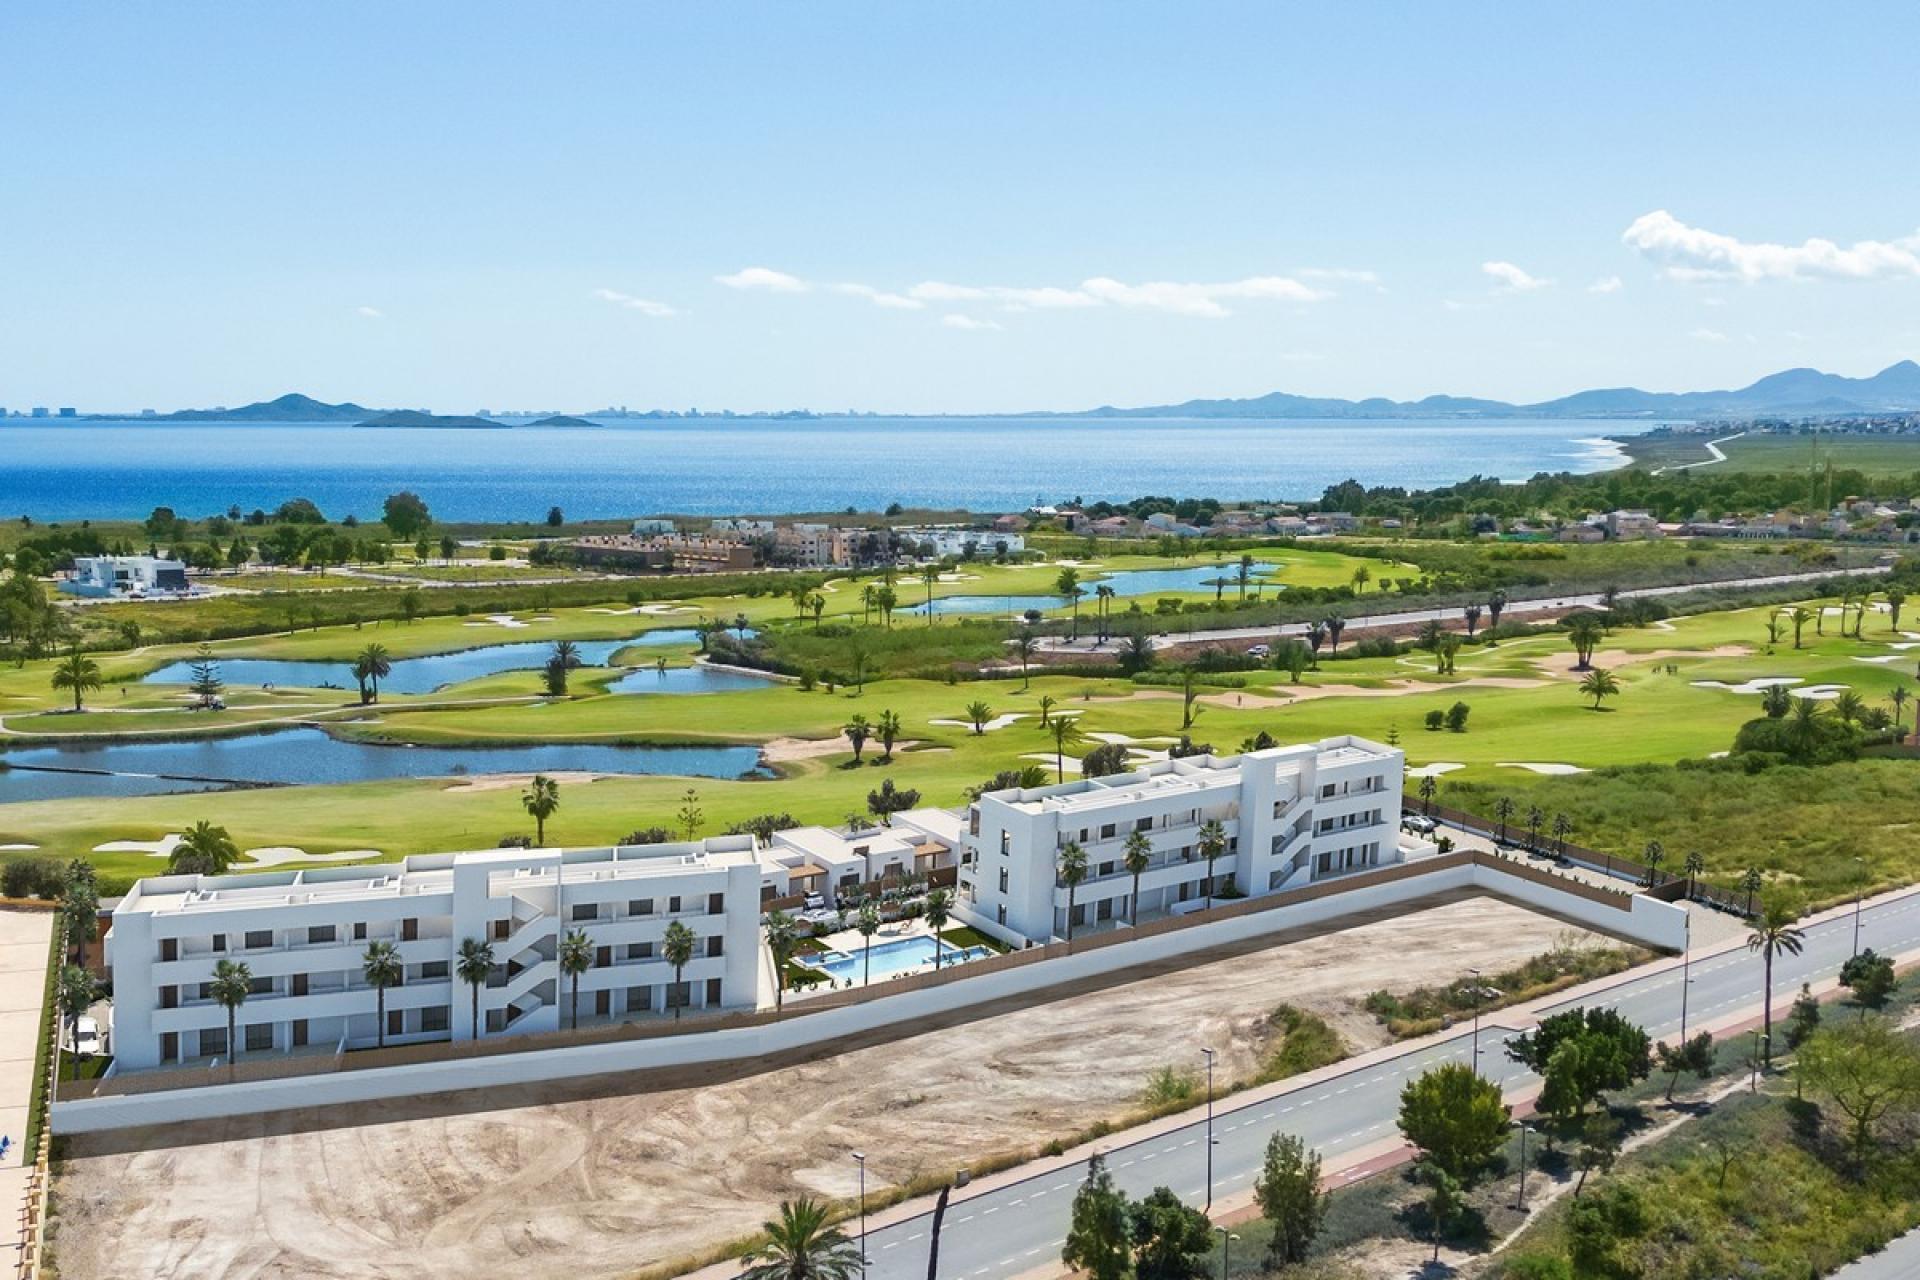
(591, 1182)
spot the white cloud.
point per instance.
(645, 306)
(371, 313)
(1042, 299)
(1174, 297)
(958, 321)
(764, 278)
(1345, 275)
(1691, 253)
(1512, 278)
(1609, 284)
(880, 297)
(1707, 335)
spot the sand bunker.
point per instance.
(161, 848)
(278, 855)
(1562, 664)
(1000, 721)
(1550, 770)
(1760, 684)
(505, 781)
(1266, 700)
(1436, 769)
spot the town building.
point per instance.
(665, 553)
(128, 576)
(1289, 816)
(815, 546)
(1629, 526)
(962, 544)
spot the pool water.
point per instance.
(889, 958)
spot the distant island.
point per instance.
(1806, 393)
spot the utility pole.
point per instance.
(1209, 1053)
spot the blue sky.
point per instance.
(961, 207)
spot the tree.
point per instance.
(1024, 646)
(1136, 652)
(1288, 1193)
(1457, 717)
(783, 938)
(1803, 1018)
(1099, 1234)
(1067, 587)
(405, 514)
(1065, 733)
(540, 800)
(1596, 1226)
(75, 994)
(1695, 863)
(1502, 812)
(978, 713)
(1212, 843)
(1774, 934)
(382, 969)
(1895, 599)
(205, 682)
(1104, 760)
(203, 849)
(887, 729)
(890, 799)
(78, 673)
(1455, 1118)
(474, 966)
(1606, 1051)
(1073, 870)
(1776, 702)
(1750, 882)
(1136, 856)
(232, 983)
(1867, 1068)
(1562, 828)
(1869, 976)
(1599, 1147)
(80, 907)
(1800, 616)
(676, 948)
(938, 909)
(370, 668)
(1047, 703)
(857, 730)
(555, 517)
(1585, 632)
(1695, 1055)
(449, 547)
(690, 815)
(1335, 626)
(1429, 787)
(929, 575)
(868, 923)
(802, 1245)
(1599, 684)
(1653, 855)
(576, 957)
(1445, 1197)
(1171, 1241)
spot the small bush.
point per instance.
(1170, 1085)
(516, 841)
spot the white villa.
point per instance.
(135, 576)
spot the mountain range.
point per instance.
(1792, 392)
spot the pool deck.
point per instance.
(849, 942)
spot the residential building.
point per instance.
(667, 553)
(1290, 816)
(130, 576)
(653, 527)
(962, 544)
(815, 546)
(304, 934)
(1009, 524)
(834, 863)
(1629, 526)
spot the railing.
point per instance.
(1662, 885)
(33, 1211)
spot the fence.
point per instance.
(33, 1208)
(1661, 884)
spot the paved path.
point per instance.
(1900, 1260)
(24, 939)
(1412, 617)
(1711, 446)
(1010, 1227)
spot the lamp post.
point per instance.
(1520, 1202)
(860, 1159)
(1858, 889)
(1686, 959)
(1209, 1056)
(1226, 1246)
(1476, 1020)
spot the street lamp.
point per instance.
(1209, 1055)
(860, 1159)
(1520, 1202)
(1476, 1020)
(1686, 958)
(1226, 1245)
(1858, 888)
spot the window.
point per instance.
(673, 905)
(639, 999)
(259, 1038)
(1000, 913)
(1143, 824)
(602, 957)
(1107, 831)
(260, 986)
(396, 1022)
(715, 946)
(433, 969)
(259, 939)
(1006, 842)
(321, 933)
(359, 930)
(713, 992)
(169, 948)
(1106, 869)
(169, 1046)
(585, 911)
(299, 1032)
(220, 944)
(716, 904)
(639, 951)
(1326, 792)
(409, 929)
(640, 907)
(212, 1041)
(435, 1018)
(973, 821)
(1003, 879)
(298, 984)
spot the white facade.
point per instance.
(303, 935)
(126, 576)
(946, 542)
(1291, 816)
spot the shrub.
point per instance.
(31, 878)
(1457, 717)
(1109, 758)
(516, 841)
(648, 835)
(1436, 720)
(1169, 1085)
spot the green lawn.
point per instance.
(1875, 455)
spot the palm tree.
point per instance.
(978, 713)
(857, 730)
(1103, 598)
(540, 800)
(1316, 636)
(801, 1245)
(1599, 684)
(1335, 625)
(1429, 785)
(868, 597)
(203, 849)
(1067, 587)
(888, 731)
(1774, 934)
(1562, 828)
(884, 599)
(1024, 646)
(1502, 810)
(1073, 869)
(77, 672)
(1047, 703)
(1803, 729)
(1654, 855)
(373, 660)
(1695, 863)
(1584, 632)
(1535, 816)
(818, 604)
(939, 909)
(677, 950)
(75, 994)
(232, 983)
(1213, 843)
(1898, 698)
(1750, 882)
(1848, 705)
(868, 923)
(1064, 732)
(382, 969)
(1244, 572)
(929, 576)
(1472, 615)
(1800, 616)
(474, 967)
(1137, 855)
(576, 957)
(783, 936)
(1895, 598)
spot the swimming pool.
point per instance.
(889, 958)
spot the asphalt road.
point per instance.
(1514, 608)
(1021, 1226)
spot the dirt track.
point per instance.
(544, 1182)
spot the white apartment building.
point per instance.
(947, 541)
(303, 935)
(834, 863)
(815, 546)
(1291, 816)
(101, 576)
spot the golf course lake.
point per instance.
(1126, 583)
(310, 756)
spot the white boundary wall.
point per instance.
(1650, 922)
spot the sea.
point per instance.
(117, 469)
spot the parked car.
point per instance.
(1420, 824)
(1258, 651)
(86, 1037)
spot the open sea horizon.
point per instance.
(112, 469)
